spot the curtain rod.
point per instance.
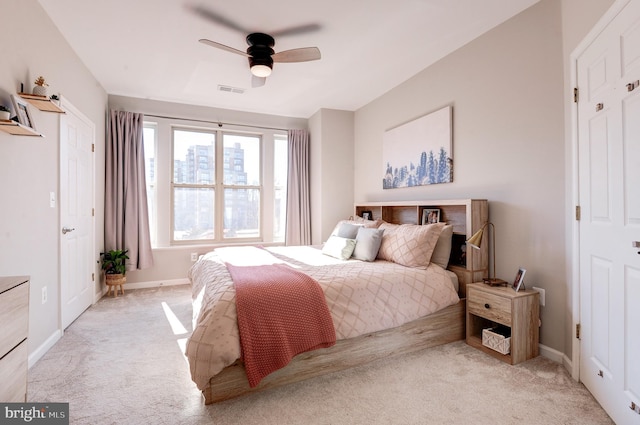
(220, 123)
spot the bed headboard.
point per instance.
(466, 215)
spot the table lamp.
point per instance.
(475, 241)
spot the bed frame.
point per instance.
(442, 327)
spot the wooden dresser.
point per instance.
(14, 328)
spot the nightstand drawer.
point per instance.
(489, 306)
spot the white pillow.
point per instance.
(367, 243)
(338, 247)
(442, 251)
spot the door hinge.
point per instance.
(578, 331)
(93, 147)
(575, 95)
(93, 277)
(93, 212)
(578, 212)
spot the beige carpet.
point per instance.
(121, 363)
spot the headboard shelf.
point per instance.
(466, 215)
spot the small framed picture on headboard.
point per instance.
(367, 215)
(430, 215)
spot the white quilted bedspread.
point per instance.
(362, 297)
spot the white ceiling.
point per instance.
(149, 48)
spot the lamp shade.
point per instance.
(476, 239)
(260, 70)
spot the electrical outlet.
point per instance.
(542, 294)
(194, 256)
(44, 295)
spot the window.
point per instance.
(211, 185)
(242, 186)
(193, 185)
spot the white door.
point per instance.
(609, 182)
(77, 135)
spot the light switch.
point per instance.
(52, 199)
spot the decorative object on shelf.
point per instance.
(5, 113)
(367, 215)
(518, 282)
(23, 112)
(115, 269)
(475, 241)
(425, 142)
(430, 215)
(40, 88)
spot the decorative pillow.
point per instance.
(409, 244)
(442, 251)
(367, 244)
(348, 230)
(338, 247)
(358, 221)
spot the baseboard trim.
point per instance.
(556, 356)
(43, 348)
(155, 284)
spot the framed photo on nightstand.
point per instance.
(518, 282)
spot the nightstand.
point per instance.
(488, 306)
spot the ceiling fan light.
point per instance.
(261, 70)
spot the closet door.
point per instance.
(609, 181)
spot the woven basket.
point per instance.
(115, 279)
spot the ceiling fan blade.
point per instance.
(300, 29)
(210, 15)
(223, 47)
(303, 54)
(257, 81)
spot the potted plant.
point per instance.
(40, 88)
(114, 266)
(5, 113)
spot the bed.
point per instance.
(380, 306)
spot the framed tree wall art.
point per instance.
(419, 152)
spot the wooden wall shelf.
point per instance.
(43, 103)
(17, 129)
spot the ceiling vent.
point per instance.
(230, 89)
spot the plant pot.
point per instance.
(5, 115)
(40, 91)
(115, 279)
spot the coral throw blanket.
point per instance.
(281, 313)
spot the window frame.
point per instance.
(271, 210)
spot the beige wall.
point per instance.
(331, 133)
(29, 228)
(506, 89)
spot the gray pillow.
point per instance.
(367, 243)
(348, 231)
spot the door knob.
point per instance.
(66, 230)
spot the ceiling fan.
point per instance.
(260, 52)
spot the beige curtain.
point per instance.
(298, 198)
(126, 218)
